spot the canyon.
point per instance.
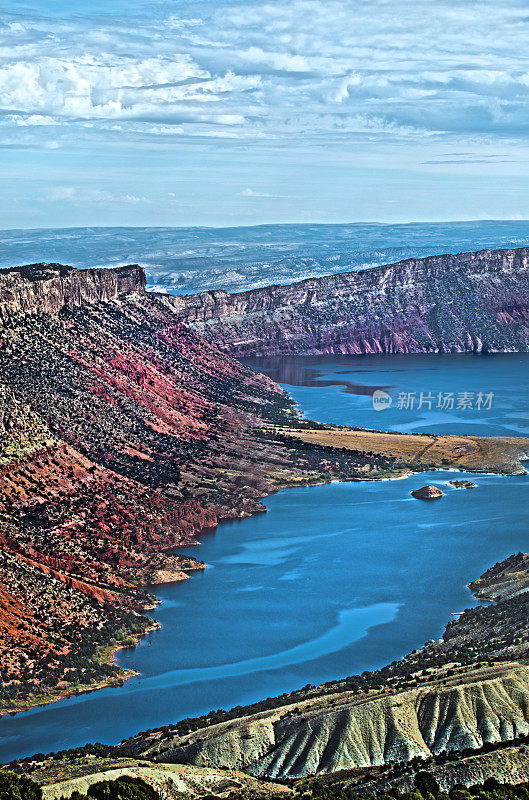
(127, 428)
(457, 707)
(123, 435)
(469, 302)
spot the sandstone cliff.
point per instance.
(448, 303)
(51, 287)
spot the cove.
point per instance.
(334, 579)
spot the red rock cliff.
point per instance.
(122, 435)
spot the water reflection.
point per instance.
(296, 372)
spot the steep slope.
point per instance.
(506, 765)
(447, 303)
(122, 435)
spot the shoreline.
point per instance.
(106, 656)
(110, 651)
(500, 455)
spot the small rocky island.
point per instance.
(462, 484)
(428, 492)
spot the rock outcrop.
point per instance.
(505, 580)
(50, 287)
(470, 302)
(506, 765)
(428, 492)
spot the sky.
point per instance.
(222, 112)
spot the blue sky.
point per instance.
(222, 112)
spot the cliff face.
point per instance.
(447, 303)
(50, 287)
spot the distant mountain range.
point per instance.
(186, 260)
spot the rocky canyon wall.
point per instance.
(448, 303)
(50, 287)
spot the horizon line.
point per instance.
(267, 225)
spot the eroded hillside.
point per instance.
(122, 436)
(465, 691)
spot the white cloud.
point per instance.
(252, 193)
(30, 120)
(308, 71)
(287, 62)
(82, 195)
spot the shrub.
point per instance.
(123, 788)
(18, 787)
(425, 783)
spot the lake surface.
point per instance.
(334, 579)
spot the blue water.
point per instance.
(333, 580)
(339, 389)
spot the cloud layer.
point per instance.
(306, 70)
(241, 111)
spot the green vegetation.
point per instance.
(425, 788)
(89, 664)
(20, 787)
(124, 788)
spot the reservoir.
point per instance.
(334, 579)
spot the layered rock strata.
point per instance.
(469, 302)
